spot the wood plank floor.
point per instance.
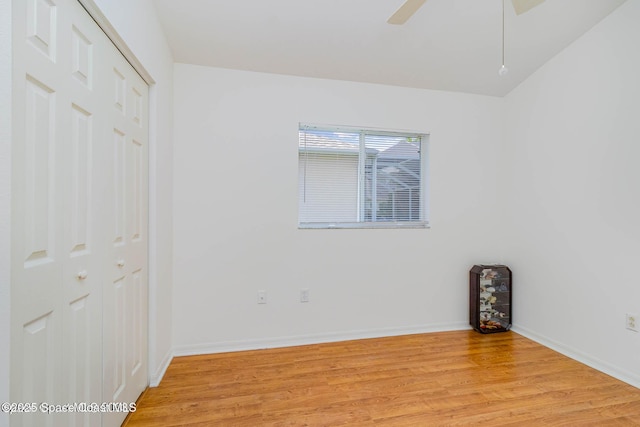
(438, 379)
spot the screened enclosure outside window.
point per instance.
(358, 178)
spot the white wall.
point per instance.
(572, 130)
(136, 22)
(5, 200)
(235, 218)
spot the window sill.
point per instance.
(370, 225)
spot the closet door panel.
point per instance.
(79, 217)
(36, 238)
(84, 181)
(125, 295)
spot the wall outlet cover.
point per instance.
(262, 297)
(632, 322)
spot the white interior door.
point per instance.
(79, 217)
(125, 292)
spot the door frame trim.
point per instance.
(6, 120)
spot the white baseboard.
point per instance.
(275, 342)
(157, 376)
(613, 371)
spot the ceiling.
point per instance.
(452, 45)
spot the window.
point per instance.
(361, 178)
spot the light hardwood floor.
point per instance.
(438, 379)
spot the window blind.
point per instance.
(360, 178)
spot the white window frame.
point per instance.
(423, 137)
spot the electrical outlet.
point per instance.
(262, 297)
(304, 295)
(632, 322)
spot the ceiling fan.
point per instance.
(411, 6)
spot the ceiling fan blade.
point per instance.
(522, 6)
(405, 11)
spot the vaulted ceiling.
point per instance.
(452, 45)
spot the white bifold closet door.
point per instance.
(79, 217)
